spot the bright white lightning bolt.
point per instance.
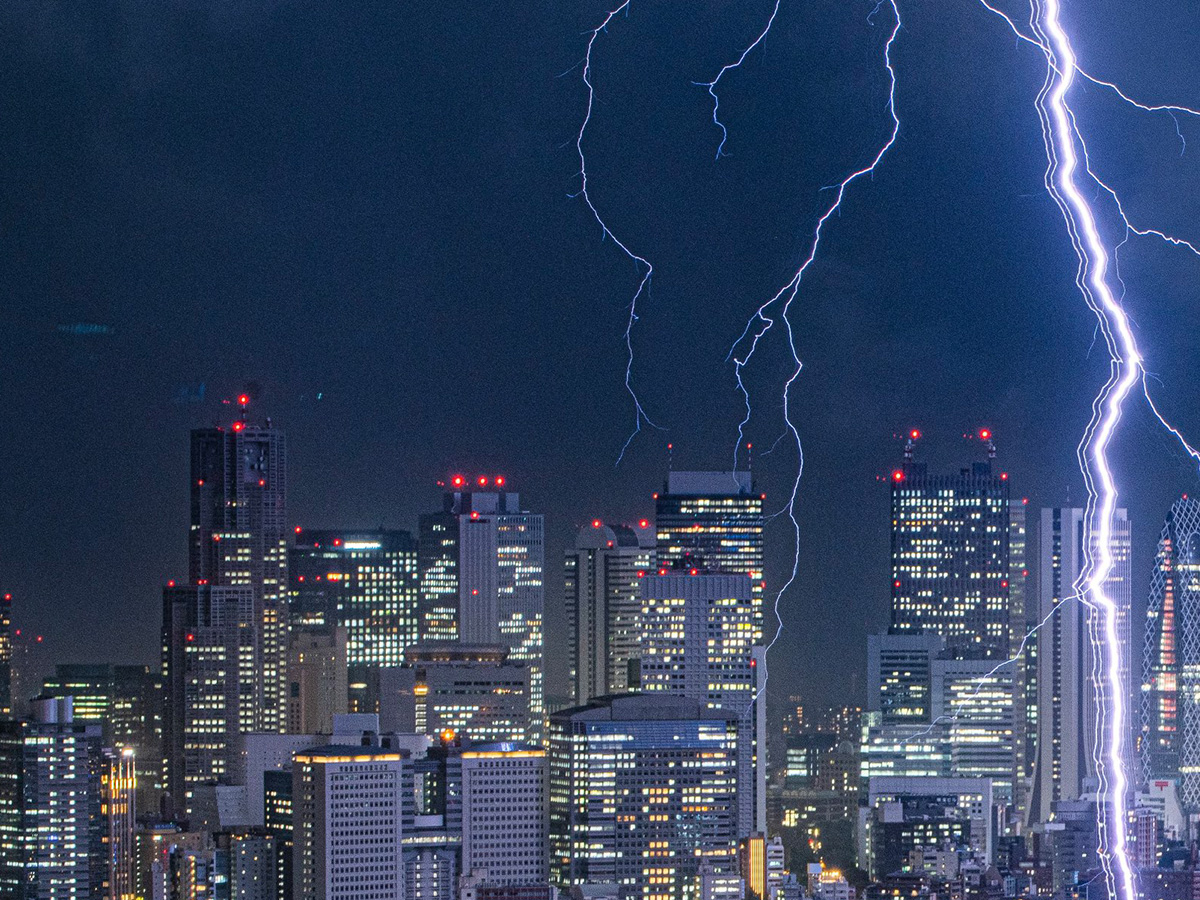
(765, 317)
(1064, 141)
(639, 261)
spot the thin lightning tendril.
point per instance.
(778, 307)
(712, 85)
(640, 262)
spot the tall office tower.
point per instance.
(697, 642)
(364, 581)
(318, 687)
(504, 822)
(212, 664)
(974, 704)
(349, 824)
(1171, 687)
(950, 555)
(604, 605)
(1068, 668)
(482, 565)
(6, 648)
(51, 828)
(118, 807)
(239, 536)
(475, 691)
(642, 789)
(713, 519)
(1024, 648)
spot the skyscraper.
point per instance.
(714, 520)
(950, 554)
(698, 642)
(1171, 687)
(212, 657)
(6, 706)
(1068, 667)
(239, 536)
(349, 823)
(475, 691)
(52, 830)
(604, 605)
(504, 814)
(1067, 664)
(127, 703)
(642, 789)
(364, 581)
(482, 567)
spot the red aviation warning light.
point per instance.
(499, 479)
(985, 434)
(239, 426)
(243, 400)
(898, 475)
(458, 481)
(596, 523)
(482, 480)
(915, 434)
(644, 523)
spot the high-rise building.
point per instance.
(482, 565)
(713, 520)
(1171, 686)
(364, 581)
(212, 657)
(951, 555)
(6, 648)
(504, 821)
(349, 824)
(604, 605)
(318, 685)
(931, 714)
(52, 830)
(239, 536)
(127, 702)
(642, 790)
(698, 642)
(476, 691)
(1067, 664)
(974, 705)
(118, 807)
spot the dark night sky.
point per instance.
(371, 203)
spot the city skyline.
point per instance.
(145, 348)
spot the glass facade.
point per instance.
(950, 557)
(714, 520)
(364, 581)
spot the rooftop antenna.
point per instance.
(670, 457)
(986, 436)
(911, 445)
(749, 457)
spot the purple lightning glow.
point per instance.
(640, 262)
(1064, 147)
(763, 319)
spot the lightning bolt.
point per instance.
(712, 85)
(777, 308)
(643, 266)
(1067, 164)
